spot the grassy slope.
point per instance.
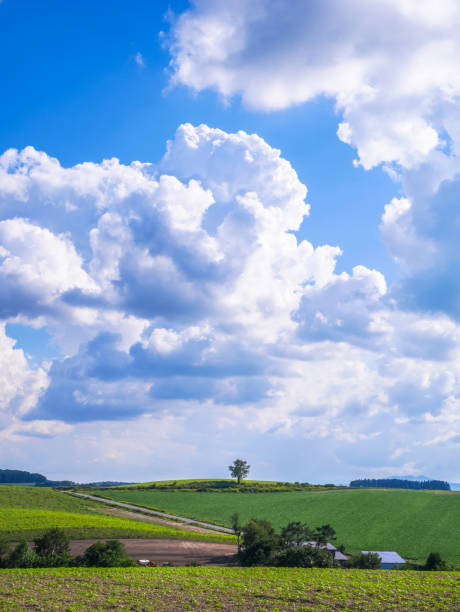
(229, 589)
(27, 512)
(414, 523)
(189, 480)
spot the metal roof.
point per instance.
(314, 545)
(386, 556)
(338, 556)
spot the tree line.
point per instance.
(396, 483)
(20, 476)
(52, 549)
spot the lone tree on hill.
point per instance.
(239, 469)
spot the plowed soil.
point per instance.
(177, 552)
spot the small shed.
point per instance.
(390, 559)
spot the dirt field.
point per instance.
(177, 552)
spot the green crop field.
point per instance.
(228, 589)
(27, 512)
(413, 523)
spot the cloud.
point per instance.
(393, 70)
(20, 385)
(389, 65)
(139, 59)
(36, 268)
(422, 233)
(181, 299)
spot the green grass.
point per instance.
(28, 512)
(414, 523)
(227, 589)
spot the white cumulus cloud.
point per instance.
(179, 294)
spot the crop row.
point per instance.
(227, 589)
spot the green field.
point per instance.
(196, 588)
(27, 512)
(413, 523)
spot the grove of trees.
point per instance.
(396, 483)
(297, 546)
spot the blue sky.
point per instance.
(76, 92)
(172, 299)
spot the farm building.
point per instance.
(390, 559)
(338, 556)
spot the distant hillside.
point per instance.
(397, 483)
(24, 477)
(228, 485)
(20, 477)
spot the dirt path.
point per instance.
(165, 515)
(177, 552)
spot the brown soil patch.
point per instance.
(177, 552)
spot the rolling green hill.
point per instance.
(413, 523)
(226, 485)
(27, 512)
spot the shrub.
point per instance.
(5, 551)
(106, 554)
(53, 548)
(304, 556)
(365, 561)
(22, 556)
(434, 563)
(259, 543)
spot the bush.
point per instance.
(5, 551)
(434, 563)
(259, 543)
(365, 561)
(304, 556)
(53, 548)
(22, 556)
(105, 554)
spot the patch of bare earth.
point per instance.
(177, 552)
